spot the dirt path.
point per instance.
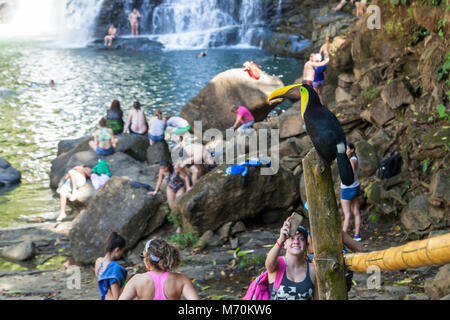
(216, 273)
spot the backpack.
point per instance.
(259, 288)
(390, 166)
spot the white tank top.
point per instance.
(356, 183)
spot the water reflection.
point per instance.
(34, 116)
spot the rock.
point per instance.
(224, 231)
(343, 95)
(341, 54)
(368, 158)
(8, 175)
(219, 198)
(291, 122)
(21, 252)
(440, 185)
(378, 113)
(447, 297)
(238, 227)
(120, 165)
(345, 80)
(269, 217)
(213, 104)
(380, 141)
(209, 239)
(396, 94)
(415, 215)
(129, 44)
(118, 207)
(439, 287)
(158, 152)
(234, 243)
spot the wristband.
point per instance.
(278, 244)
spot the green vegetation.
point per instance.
(184, 240)
(442, 112)
(441, 26)
(252, 261)
(370, 94)
(374, 218)
(443, 70)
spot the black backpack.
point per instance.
(390, 166)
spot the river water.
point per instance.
(34, 117)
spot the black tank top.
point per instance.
(290, 290)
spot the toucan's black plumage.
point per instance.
(322, 126)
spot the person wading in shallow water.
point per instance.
(159, 282)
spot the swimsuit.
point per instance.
(175, 182)
(159, 280)
(104, 135)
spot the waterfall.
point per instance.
(178, 24)
(69, 22)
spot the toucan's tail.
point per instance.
(345, 169)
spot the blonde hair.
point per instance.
(161, 255)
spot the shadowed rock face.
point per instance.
(118, 207)
(218, 198)
(233, 87)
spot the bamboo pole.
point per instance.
(415, 254)
(325, 226)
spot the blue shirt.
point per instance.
(319, 73)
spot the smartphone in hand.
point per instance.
(295, 221)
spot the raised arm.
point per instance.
(272, 256)
(320, 64)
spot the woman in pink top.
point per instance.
(243, 117)
(159, 283)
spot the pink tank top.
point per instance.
(159, 281)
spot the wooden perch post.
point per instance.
(325, 225)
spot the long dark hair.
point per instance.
(115, 105)
(137, 105)
(114, 241)
(352, 146)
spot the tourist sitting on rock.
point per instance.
(159, 282)
(253, 70)
(350, 194)
(112, 33)
(244, 118)
(156, 127)
(299, 279)
(136, 122)
(111, 276)
(308, 69)
(177, 179)
(319, 76)
(114, 117)
(104, 143)
(73, 180)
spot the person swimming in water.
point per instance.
(160, 282)
(104, 143)
(134, 22)
(137, 122)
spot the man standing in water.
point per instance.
(308, 70)
(134, 22)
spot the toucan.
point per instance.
(322, 126)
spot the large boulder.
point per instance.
(120, 208)
(21, 252)
(218, 198)
(213, 104)
(8, 175)
(119, 163)
(132, 145)
(341, 54)
(291, 122)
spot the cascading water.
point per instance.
(69, 22)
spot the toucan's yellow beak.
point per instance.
(290, 92)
